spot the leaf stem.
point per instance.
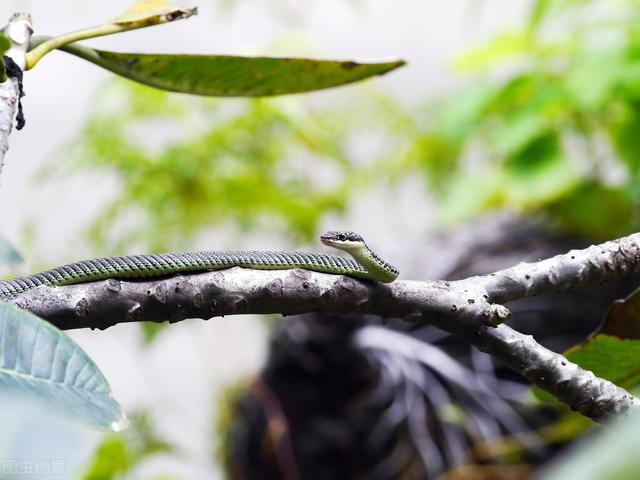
(40, 49)
(34, 55)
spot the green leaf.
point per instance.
(5, 44)
(120, 453)
(39, 361)
(232, 76)
(612, 358)
(614, 351)
(152, 12)
(609, 454)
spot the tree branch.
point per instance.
(461, 308)
(239, 291)
(18, 31)
(596, 264)
(593, 397)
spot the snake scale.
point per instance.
(365, 264)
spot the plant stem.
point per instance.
(34, 55)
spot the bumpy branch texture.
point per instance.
(596, 264)
(239, 291)
(18, 31)
(462, 308)
(594, 397)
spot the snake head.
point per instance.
(343, 240)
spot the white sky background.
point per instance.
(180, 374)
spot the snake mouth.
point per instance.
(330, 238)
(326, 239)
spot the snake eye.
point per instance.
(342, 237)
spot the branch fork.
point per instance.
(463, 308)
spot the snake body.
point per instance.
(366, 265)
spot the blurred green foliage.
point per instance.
(546, 121)
(118, 454)
(608, 454)
(186, 164)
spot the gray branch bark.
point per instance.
(462, 308)
(18, 31)
(593, 265)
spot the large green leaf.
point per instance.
(39, 361)
(232, 76)
(612, 358)
(610, 454)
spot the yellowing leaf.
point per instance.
(152, 12)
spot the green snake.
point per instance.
(365, 264)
